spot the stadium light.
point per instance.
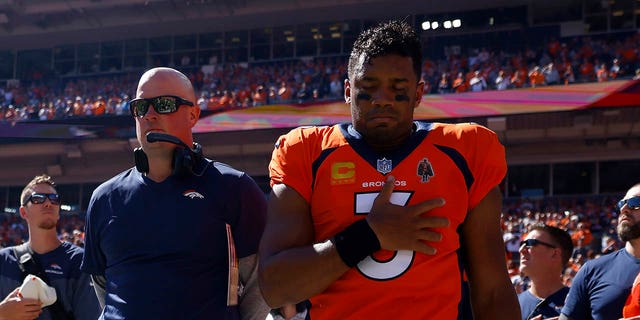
(447, 24)
(426, 25)
(435, 25)
(457, 23)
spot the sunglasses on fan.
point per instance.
(534, 242)
(39, 198)
(162, 104)
(633, 203)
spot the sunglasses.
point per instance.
(534, 242)
(633, 203)
(39, 198)
(162, 104)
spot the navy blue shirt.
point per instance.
(163, 247)
(531, 306)
(601, 287)
(62, 267)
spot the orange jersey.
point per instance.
(340, 176)
(632, 305)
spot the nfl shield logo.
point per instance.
(384, 166)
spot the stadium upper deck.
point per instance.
(590, 141)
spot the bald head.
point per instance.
(165, 81)
(159, 82)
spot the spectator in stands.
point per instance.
(615, 70)
(518, 79)
(10, 114)
(567, 74)
(444, 86)
(544, 254)
(44, 255)
(477, 82)
(304, 93)
(568, 275)
(259, 96)
(551, 74)
(512, 241)
(335, 88)
(284, 92)
(502, 81)
(459, 84)
(602, 73)
(536, 77)
(227, 100)
(599, 290)
(203, 101)
(587, 71)
(583, 234)
(311, 234)
(191, 255)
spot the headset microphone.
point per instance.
(185, 159)
(157, 136)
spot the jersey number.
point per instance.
(401, 260)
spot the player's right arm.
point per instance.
(291, 267)
(294, 268)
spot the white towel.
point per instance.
(34, 288)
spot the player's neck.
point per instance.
(386, 148)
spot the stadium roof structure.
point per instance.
(37, 24)
(618, 93)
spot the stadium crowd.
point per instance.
(44, 96)
(591, 222)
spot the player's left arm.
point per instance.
(492, 295)
(251, 302)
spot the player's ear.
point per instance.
(347, 91)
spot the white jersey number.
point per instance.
(401, 260)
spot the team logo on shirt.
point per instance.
(343, 173)
(192, 194)
(425, 170)
(384, 166)
(54, 268)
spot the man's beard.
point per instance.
(628, 231)
(47, 225)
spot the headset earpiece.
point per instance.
(141, 160)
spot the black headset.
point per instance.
(185, 160)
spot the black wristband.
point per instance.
(356, 242)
